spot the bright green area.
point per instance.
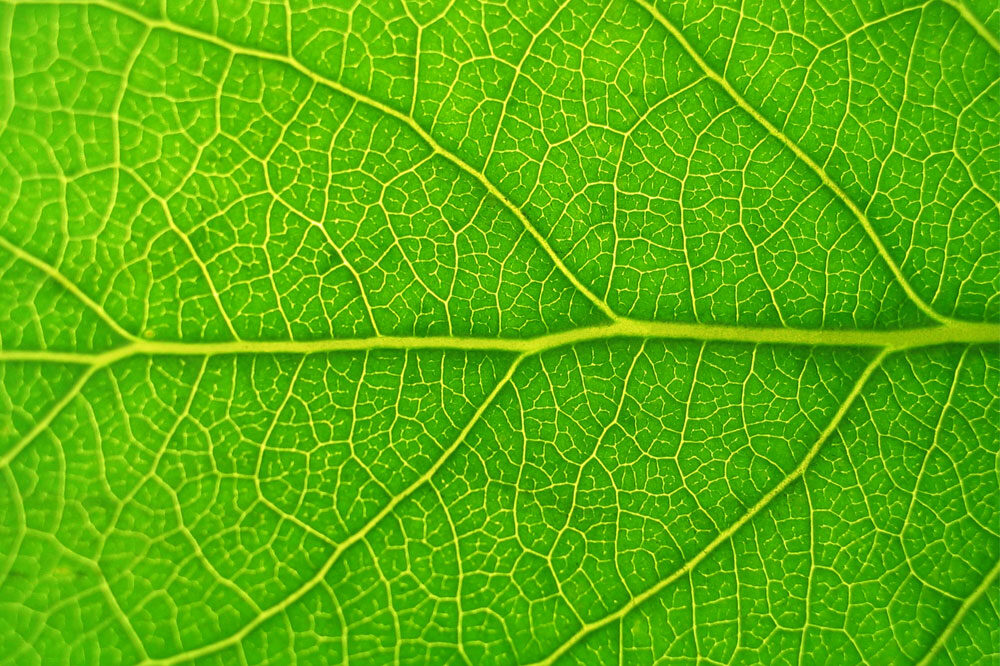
(458, 331)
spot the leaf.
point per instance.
(457, 332)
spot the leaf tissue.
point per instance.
(499, 332)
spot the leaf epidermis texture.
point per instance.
(472, 332)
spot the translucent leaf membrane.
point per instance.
(499, 333)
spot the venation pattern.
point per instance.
(467, 331)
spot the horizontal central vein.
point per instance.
(956, 332)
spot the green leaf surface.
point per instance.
(460, 331)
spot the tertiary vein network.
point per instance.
(944, 330)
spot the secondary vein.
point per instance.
(730, 531)
(411, 123)
(334, 557)
(799, 153)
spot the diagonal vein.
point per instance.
(974, 21)
(799, 153)
(727, 533)
(67, 284)
(887, 341)
(324, 570)
(46, 420)
(437, 148)
(963, 609)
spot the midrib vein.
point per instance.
(953, 332)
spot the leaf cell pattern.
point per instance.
(464, 331)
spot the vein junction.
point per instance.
(946, 331)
